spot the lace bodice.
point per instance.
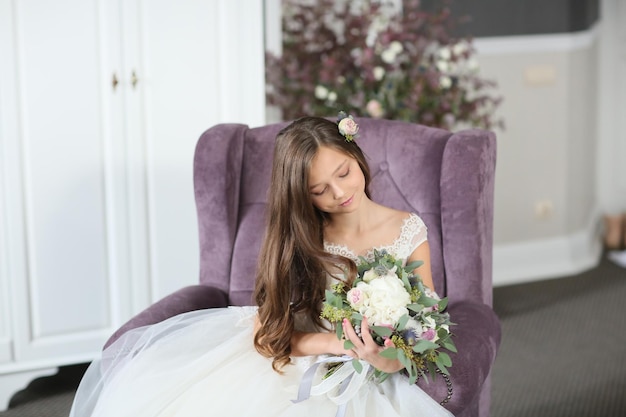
(412, 234)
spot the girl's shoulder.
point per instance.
(394, 219)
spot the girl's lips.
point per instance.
(347, 202)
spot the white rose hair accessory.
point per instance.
(347, 126)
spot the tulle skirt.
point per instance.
(203, 363)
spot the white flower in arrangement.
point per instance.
(374, 109)
(388, 56)
(321, 92)
(358, 296)
(443, 66)
(445, 82)
(472, 64)
(445, 53)
(369, 275)
(379, 73)
(460, 48)
(387, 300)
(396, 47)
(332, 96)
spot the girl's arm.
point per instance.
(306, 344)
(422, 253)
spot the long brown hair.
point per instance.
(293, 265)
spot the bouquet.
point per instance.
(400, 308)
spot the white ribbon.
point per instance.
(345, 377)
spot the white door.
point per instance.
(101, 105)
(62, 221)
(197, 63)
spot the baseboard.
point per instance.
(536, 260)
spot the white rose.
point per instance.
(396, 47)
(388, 56)
(369, 275)
(387, 300)
(443, 66)
(379, 73)
(358, 297)
(321, 92)
(444, 53)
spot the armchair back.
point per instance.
(446, 178)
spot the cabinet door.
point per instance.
(197, 63)
(62, 196)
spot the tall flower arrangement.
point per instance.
(371, 59)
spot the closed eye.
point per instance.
(345, 174)
(318, 193)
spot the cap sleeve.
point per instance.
(417, 232)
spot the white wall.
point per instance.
(547, 214)
(611, 110)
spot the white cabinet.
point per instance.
(101, 104)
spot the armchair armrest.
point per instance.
(477, 338)
(193, 297)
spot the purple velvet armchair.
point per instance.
(447, 178)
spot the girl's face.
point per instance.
(336, 182)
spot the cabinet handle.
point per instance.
(114, 81)
(133, 79)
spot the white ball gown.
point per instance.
(203, 363)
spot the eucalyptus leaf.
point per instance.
(431, 370)
(403, 359)
(449, 344)
(423, 345)
(444, 358)
(382, 331)
(443, 303)
(412, 378)
(402, 322)
(382, 376)
(339, 332)
(389, 353)
(413, 265)
(415, 307)
(347, 345)
(407, 284)
(442, 368)
(357, 365)
(427, 301)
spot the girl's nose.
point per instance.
(338, 192)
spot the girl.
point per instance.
(248, 361)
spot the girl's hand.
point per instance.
(368, 350)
